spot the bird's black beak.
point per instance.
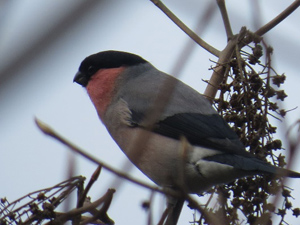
(80, 78)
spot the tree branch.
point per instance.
(63, 217)
(174, 212)
(49, 131)
(185, 29)
(219, 72)
(89, 185)
(270, 25)
(179, 195)
(222, 7)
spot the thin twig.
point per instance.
(102, 213)
(63, 217)
(174, 213)
(150, 209)
(185, 29)
(89, 185)
(164, 215)
(285, 13)
(206, 204)
(223, 10)
(219, 71)
(49, 131)
(209, 218)
(70, 184)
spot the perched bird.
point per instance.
(126, 89)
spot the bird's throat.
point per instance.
(101, 87)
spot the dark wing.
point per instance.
(213, 132)
(209, 131)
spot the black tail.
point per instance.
(252, 164)
(289, 173)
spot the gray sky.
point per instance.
(40, 84)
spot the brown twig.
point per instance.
(61, 218)
(150, 206)
(49, 131)
(185, 29)
(69, 185)
(209, 218)
(164, 215)
(222, 7)
(174, 213)
(219, 71)
(285, 13)
(102, 213)
(89, 185)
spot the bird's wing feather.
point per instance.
(209, 131)
(212, 131)
(187, 113)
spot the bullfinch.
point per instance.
(126, 89)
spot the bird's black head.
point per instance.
(104, 60)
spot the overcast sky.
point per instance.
(39, 84)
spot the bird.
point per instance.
(185, 143)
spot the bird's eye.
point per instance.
(91, 70)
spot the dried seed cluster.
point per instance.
(248, 96)
(38, 206)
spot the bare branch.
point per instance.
(88, 187)
(174, 213)
(49, 131)
(63, 217)
(219, 71)
(185, 29)
(270, 25)
(102, 213)
(179, 195)
(222, 7)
